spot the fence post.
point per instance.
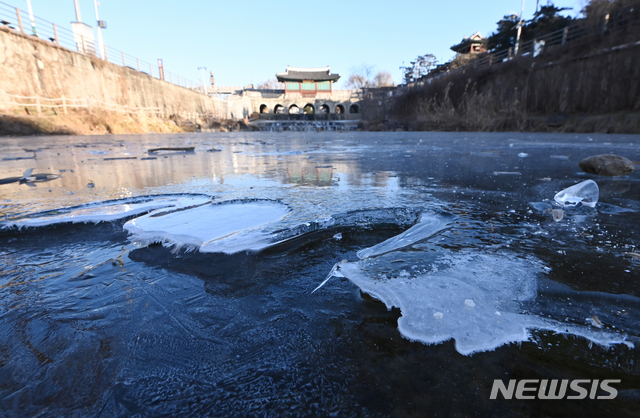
(64, 105)
(82, 40)
(124, 63)
(104, 49)
(606, 22)
(39, 109)
(138, 61)
(170, 81)
(565, 35)
(150, 70)
(19, 20)
(55, 33)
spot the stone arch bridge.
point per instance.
(239, 103)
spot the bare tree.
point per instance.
(360, 77)
(270, 84)
(383, 79)
(365, 76)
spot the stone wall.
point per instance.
(30, 66)
(251, 101)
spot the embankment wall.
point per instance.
(30, 66)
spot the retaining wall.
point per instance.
(30, 66)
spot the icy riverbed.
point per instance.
(456, 231)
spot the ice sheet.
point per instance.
(474, 299)
(429, 225)
(226, 227)
(106, 211)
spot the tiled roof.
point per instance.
(314, 74)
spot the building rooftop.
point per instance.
(311, 74)
(465, 44)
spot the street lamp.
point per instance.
(33, 22)
(520, 23)
(101, 24)
(78, 15)
(204, 85)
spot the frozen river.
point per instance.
(446, 271)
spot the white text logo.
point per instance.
(554, 389)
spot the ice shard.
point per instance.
(226, 227)
(105, 211)
(428, 225)
(586, 193)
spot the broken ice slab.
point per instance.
(586, 192)
(226, 227)
(557, 214)
(29, 178)
(474, 299)
(171, 149)
(428, 225)
(106, 211)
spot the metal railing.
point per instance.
(539, 45)
(18, 21)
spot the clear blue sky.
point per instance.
(249, 41)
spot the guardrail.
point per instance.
(18, 20)
(537, 46)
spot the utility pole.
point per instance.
(100, 24)
(520, 23)
(78, 16)
(204, 85)
(33, 22)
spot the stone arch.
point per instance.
(309, 109)
(325, 109)
(279, 109)
(354, 108)
(264, 108)
(339, 109)
(294, 109)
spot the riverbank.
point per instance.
(590, 85)
(104, 122)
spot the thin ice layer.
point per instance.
(227, 227)
(106, 211)
(474, 299)
(429, 225)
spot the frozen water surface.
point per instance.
(105, 211)
(96, 319)
(227, 227)
(475, 299)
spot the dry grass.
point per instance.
(85, 123)
(589, 87)
(101, 122)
